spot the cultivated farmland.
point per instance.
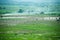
(29, 28)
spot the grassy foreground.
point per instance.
(30, 30)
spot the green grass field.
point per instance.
(28, 29)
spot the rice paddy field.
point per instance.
(29, 28)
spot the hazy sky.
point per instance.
(34, 0)
(31, 0)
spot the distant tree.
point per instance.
(58, 14)
(4, 8)
(20, 11)
(2, 12)
(59, 17)
(42, 13)
(53, 13)
(0, 8)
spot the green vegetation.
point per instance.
(30, 30)
(20, 11)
